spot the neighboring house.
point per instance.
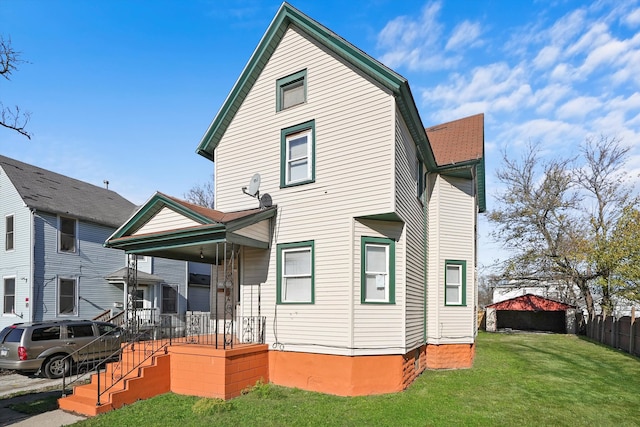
(362, 256)
(53, 263)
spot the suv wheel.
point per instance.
(56, 366)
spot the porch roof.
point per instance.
(120, 276)
(171, 228)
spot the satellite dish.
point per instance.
(254, 186)
(265, 201)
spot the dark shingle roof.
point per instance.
(54, 193)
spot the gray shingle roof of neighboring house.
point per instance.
(51, 192)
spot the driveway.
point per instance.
(31, 388)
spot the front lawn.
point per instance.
(517, 379)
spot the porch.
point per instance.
(195, 355)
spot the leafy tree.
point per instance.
(202, 194)
(557, 216)
(12, 118)
(623, 255)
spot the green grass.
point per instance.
(517, 379)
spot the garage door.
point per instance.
(551, 321)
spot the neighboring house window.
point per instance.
(138, 299)
(297, 154)
(295, 273)
(455, 282)
(67, 234)
(291, 90)
(169, 299)
(9, 233)
(9, 295)
(67, 297)
(378, 270)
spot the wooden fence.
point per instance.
(622, 333)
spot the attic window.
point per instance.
(291, 90)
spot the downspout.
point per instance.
(425, 268)
(351, 287)
(31, 315)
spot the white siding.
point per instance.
(354, 174)
(378, 328)
(259, 231)
(166, 219)
(15, 263)
(411, 210)
(451, 237)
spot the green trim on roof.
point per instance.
(288, 15)
(152, 207)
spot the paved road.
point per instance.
(34, 386)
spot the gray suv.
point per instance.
(43, 346)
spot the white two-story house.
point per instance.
(359, 244)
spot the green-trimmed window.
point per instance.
(377, 270)
(291, 90)
(295, 273)
(455, 278)
(297, 152)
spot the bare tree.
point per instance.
(557, 218)
(202, 194)
(12, 118)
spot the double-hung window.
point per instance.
(67, 234)
(9, 233)
(291, 90)
(378, 270)
(295, 273)
(67, 297)
(455, 282)
(9, 295)
(169, 299)
(297, 154)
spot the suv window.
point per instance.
(10, 334)
(77, 331)
(47, 333)
(105, 328)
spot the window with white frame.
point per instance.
(455, 282)
(9, 233)
(9, 295)
(67, 297)
(297, 154)
(67, 234)
(377, 270)
(169, 299)
(295, 273)
(291, 90)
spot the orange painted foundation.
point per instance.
(450, 356)
(346, 375)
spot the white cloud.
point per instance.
(464, 35)
(579, 107)
(632, 19)
(546, 57)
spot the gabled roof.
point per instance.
(192, 232)
(530, 302)
(288, 15)
(51, 192)
(459, 144)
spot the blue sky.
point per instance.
(124, 90)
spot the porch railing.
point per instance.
(192, 328)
